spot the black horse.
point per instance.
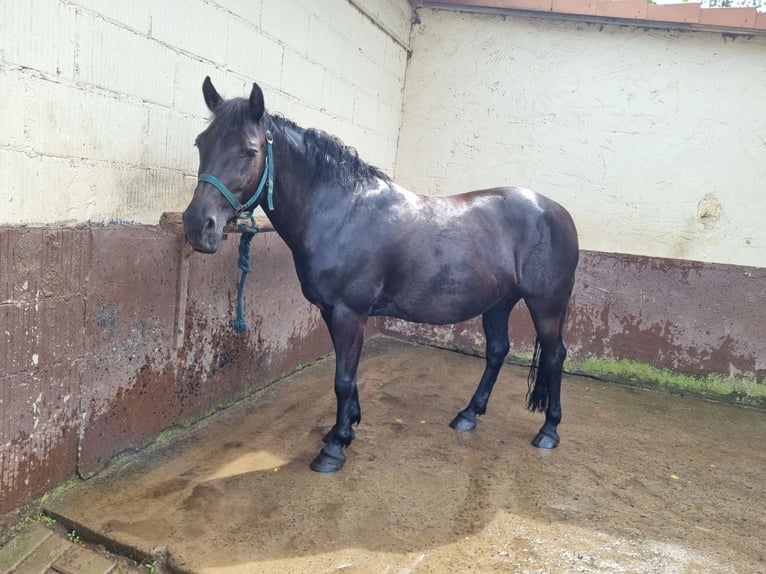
(364, 246)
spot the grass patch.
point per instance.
(714, 386)
(739, 390)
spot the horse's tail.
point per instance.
(537, 380)
(537, 391)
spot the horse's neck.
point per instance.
(296, 192)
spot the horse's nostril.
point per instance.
(209, 225)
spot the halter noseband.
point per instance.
(267, 180)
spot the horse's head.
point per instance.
(232, 166)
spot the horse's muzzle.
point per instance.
(203, 232)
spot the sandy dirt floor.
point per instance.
(642, 481)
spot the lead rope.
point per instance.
(240, 324)
(249, 229)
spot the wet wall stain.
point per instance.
(148, 385)
(106, 318)
(215, 365)
(33, 464)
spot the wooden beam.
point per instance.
(172, 222)
(182, 291)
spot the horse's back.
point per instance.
(449, 258)
(522, 216)
(504, 223)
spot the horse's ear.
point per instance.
(212, 98)
(257, 107)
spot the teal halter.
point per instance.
(267, 180)
(248, 227)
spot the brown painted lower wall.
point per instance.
(109, 335)
(689, 316)
(90, 363)
(692, 317)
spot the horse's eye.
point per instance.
(251, 153)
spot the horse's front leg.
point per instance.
(347, 332)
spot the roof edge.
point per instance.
(684, 16)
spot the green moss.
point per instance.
(523, 359)
(740, 390)
(54, 492)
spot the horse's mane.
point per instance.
(328, 155)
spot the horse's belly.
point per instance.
(430, 315)
(438, 308)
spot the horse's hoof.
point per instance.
(326, 463)
(546, 440)
(463, 423)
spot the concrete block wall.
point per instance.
(102, 99)
(653, 138)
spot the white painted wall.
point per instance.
(654, 139)
(101, 99)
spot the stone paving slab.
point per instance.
(40, 550)
(78, 560)
(22, 546)
(42, 559)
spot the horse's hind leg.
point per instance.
(495, 323)
(545, 373)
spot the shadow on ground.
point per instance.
(642, 481)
